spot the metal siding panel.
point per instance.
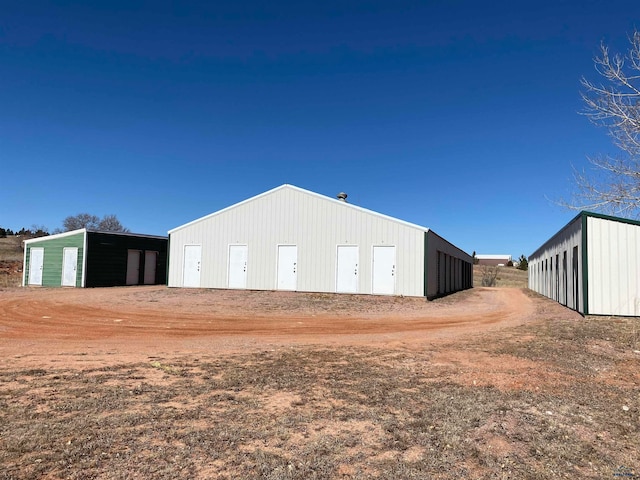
(602, 272)
(440, 255)
(622, 269)
(597, 269)
(175, 258)
(613, 267)
(633, 274)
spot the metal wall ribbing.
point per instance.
(555, 269)
(317, 225)
(448, 269)
(613, 260)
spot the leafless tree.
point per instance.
(613, 185)
(489, 275)
(108, 223)
(82, 220)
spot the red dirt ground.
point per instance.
(83, 329)
(82, 326)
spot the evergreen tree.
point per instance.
(523, 263)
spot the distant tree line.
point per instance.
(108, 223)
(33, 232)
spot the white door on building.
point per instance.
(347, 269)
(191, 266)
(150, 261)
(69, 266)
(238, 255)
(384, 270)
(133, 267)
(287, 267)
(36, 263)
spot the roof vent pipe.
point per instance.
(342, 197)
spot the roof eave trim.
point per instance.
(56, 235)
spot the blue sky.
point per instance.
(461, 116)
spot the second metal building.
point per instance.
(592, 265)
(86, 258)
(289, 238)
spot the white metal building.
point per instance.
(592, 265)
(289, 238)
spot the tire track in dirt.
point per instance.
(41, 313)
(155, 320)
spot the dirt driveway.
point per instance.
(135, 322)
(158, 383)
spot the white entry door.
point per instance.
(238, 266)
(191, 266)
(36, 263)
(287, 267)
(150, 260)
(347, 269)
(384, 270)
(133, 267)
(69, 266)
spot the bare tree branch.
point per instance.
(613, 184)
(108, 223)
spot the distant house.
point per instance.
(289, 238)
(85, 258)
(494, 260)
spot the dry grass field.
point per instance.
(10, 261)
(507, 277)
(130, 383)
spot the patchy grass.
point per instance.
(11, 261)
(559, 399)
(507, 277)
(11, 249)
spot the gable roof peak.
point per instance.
(287, 186)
